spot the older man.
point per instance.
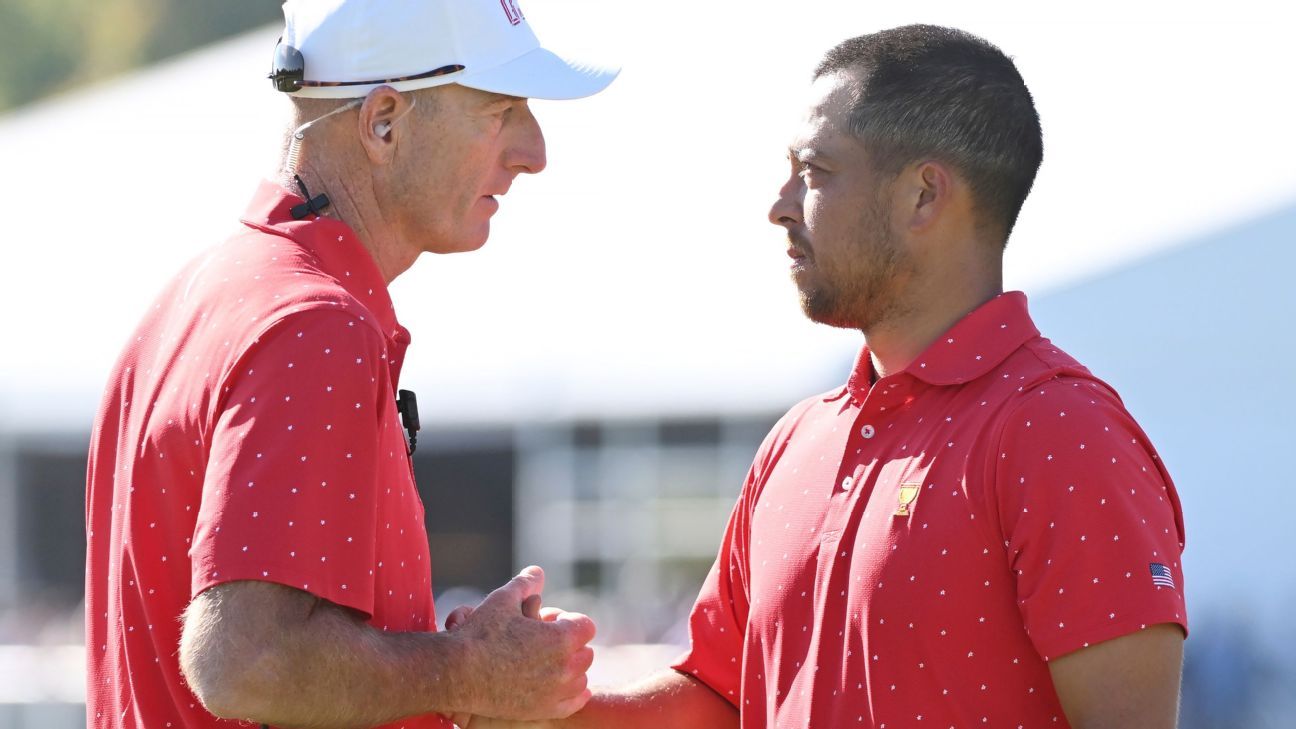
(256, 543)
(972, 531)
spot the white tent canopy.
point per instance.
(637, 274)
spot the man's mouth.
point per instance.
(500, 192)
(799, 252)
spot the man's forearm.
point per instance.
(272, 654)
(666, 699)
(360, 676)
(327, 670)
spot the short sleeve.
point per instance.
(289, 490)
(718, 622)
(1092, 525)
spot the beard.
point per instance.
(857, 288)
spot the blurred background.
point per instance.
(594, 382)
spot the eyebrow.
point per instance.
(807, 154)
(497, 98)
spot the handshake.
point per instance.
(524, 662)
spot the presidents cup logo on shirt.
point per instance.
(906, 496)
(512, 10)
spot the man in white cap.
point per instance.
(256, 548)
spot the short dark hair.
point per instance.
(929, 91)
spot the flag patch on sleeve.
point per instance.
(1161, 575)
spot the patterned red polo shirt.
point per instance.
(249, 432)
(912, 553)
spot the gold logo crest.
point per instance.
(907, 495)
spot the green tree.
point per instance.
(49, 46)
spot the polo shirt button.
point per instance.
(847, 483)
(868, 431)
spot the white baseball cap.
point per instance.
(341, 49)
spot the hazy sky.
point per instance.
(638, 271)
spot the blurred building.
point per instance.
(625, 513)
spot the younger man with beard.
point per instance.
(973, 531)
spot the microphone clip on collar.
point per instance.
(314, 204)
(407, 406)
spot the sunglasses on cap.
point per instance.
(288, 71)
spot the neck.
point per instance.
(358, 207)
(897, 341)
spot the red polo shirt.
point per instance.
(912, 553)
(249, 432)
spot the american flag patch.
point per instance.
(1161, 575)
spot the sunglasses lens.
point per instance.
(288, 69)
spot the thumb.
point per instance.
(528, 582)
(534, 576)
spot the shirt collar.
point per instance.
(337, 248)
(976, 344)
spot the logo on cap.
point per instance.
(512, 10)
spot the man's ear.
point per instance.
(930, 186)
(377, 122)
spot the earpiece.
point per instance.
(383, 128)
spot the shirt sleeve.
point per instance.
(718, 622)
(1092, 525)
(289, 489)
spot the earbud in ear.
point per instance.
(383, 128)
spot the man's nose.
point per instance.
(527, 153)
(786, 209)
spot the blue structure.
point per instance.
(1199, 341)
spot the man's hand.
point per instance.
(528, 663)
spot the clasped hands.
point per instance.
(530, 661)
